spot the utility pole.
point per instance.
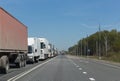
(76, 50)
(99, 53)
(106, 42)
(96, 47)
(87, 45)
(81, 47)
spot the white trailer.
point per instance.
(51, 50)
(44, 48)
(33, 49)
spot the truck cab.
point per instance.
(44, 49)
(33, 50)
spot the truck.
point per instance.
(13, 41)
(50, 50)
(44, 48)
(33, 49)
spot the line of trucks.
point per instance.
(16, 48)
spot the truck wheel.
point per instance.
(36, 60)
(19, 65)
(5, 64)
(24, 63)
(33, 61)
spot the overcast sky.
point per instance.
(64, 22)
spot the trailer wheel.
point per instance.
(19, 65)
(36, 60)
(5, 64)
(24, 63)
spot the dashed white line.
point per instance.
(84, 72)
(77, 66)
(72, 62)
(80, 68)
(92, 79)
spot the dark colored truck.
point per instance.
(13, 41)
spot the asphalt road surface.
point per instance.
(65, 68)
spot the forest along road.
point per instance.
(69, 68)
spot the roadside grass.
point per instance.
(114, 57)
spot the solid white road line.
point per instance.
(92, 79)
(27, 72)
(107, 64)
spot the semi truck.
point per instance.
(33, 49)
(13, 41)
(44, 48)
(50, 50)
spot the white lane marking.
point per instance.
(80, 68)
(77, 66)
(25, 73)
(84, 72)
(92, 79)
(72, 62)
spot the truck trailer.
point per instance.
(13, 41)
(33, 49)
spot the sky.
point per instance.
(64, 22)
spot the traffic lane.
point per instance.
(100, 71)
(13, 71)
(59, 69)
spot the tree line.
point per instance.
(101, 43)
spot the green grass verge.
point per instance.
(114, 57)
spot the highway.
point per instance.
(65, 68)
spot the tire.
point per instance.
(5, 64)
(36, 60)
(19, 65)
(24, 63)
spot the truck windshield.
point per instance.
(30, 49)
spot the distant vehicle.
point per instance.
(50, 50)
(44, 48)
(33, 50)
(13, 41)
